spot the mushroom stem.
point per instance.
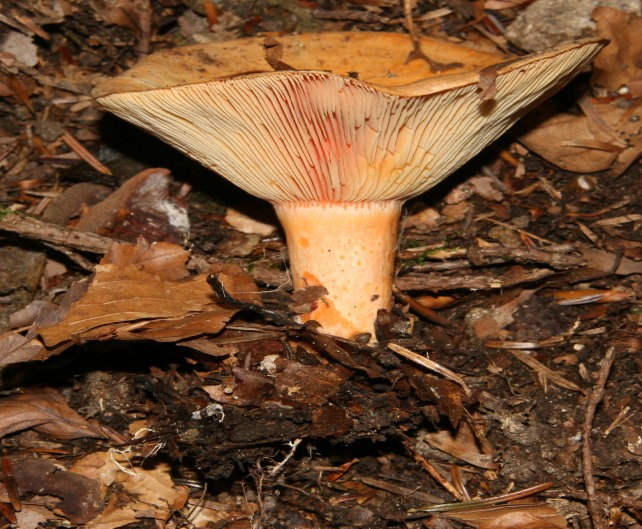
(348, 248)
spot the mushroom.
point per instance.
(337, 137)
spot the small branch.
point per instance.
(53, 234)
(544, 373)
(557, 256)
(434, 473)
(594, 502)
(422, 310)
(84, 154)
(417, 52)
(429, 364)
(276, 469)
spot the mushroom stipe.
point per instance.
(339, 142)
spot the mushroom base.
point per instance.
(348, 248)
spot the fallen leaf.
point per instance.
(263, 222)
(127, 13)
(27, 315)
(607, 140)
(605, 261)
(305, 299)
(133, 492)
(487, 323)
(80, 498)
(421, 217)
(245, 388)
(618, 65)
(45, 411)
(524, 520)
(135, 294)
(34, 517)
(21, 47)
(141, 206)
(486, 187)
(444, 394)
(163, 259)
(308, 385)
(71, 202)
(606, 137)
(147, 494)
(16, 348)
(487, 83)
(274, 53)
(461, 444)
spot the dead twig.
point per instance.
(594, 502)
(51, 233)
(276, 469)
(399, 490)
(434, 473)
(504, 498)
(429, 364)
(417, 52)
(544, 373)
(422, 310)
(75, 146)
(477, 280)
(556, 256)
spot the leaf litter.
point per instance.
(257, 421)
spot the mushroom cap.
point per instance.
(377, 57)
(355, 121)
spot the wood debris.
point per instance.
(154, 369)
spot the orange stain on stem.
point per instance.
(326, 312)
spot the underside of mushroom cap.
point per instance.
(302, 135)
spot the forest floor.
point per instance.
(519, 278)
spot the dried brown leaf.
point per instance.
(262, 221)
(44, 410)
(487, 323)
(142, 206)
(164, 259)
(33, 517)
(548, 139)
(71, 202)
(126, 13)
(462, 445)
(16, 348)
(524, 520)
(487, 83)
(130, 299)
(606, 137)
(274, 53)
(137, 492)
(618, 64)
(79, 495)
(309, 385)
(305, 300)
(605, 261)
(447, 396)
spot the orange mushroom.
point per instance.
(338, 142)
